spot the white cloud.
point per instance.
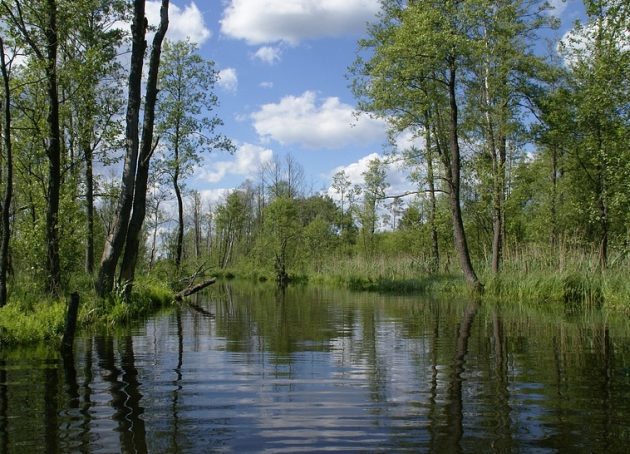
(578, 43)
(213, 197)
(228, 79)
(558, 6)
(186, 23)
(266, 84)
(407, 139)
(291, 21)
(396, 175)
(302, 120)
(355, 170)
(246, 161)
(268, 54)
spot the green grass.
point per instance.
(34, 317)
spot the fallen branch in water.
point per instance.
(194, 289)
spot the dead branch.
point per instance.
(194, 289)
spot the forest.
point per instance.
(521, 168)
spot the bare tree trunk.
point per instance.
(53, 151)
(8, 191)
(498, 165)
(154, 238)
(553, 210)
(116, 238)
(459, 234)
(602, 206)
(89, 208)
(179, 247)
(197, 222)
(435, 245)
(603, 215)
(130, 257)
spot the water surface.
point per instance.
(248, 368)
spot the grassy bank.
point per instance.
(532, 279)
(32, 317)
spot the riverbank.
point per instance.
(574, 284)
(34, 317)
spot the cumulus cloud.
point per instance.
(396, 175)
(266, 84)
(271, 21)
(304, 121)
(246, 161)
(183, 23)
(228, 79)
(268, 54)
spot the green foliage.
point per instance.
(32, 316)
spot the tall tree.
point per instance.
(503, 68)
(416, 64)
(375, 184)
(36, 26)
(95, 106)
(5, 208)
(185, 117)
(147, 147)
(599, 87)
(115, 240)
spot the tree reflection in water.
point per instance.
(250, 368)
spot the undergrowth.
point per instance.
(35, 317)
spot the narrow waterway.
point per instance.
(247, 368)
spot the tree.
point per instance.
(147, 147)
(96, 103)
(230, 223)
(281, 229)
(5, 208)
(36, 26)
(599, 96)
(416, 66)
(374, 187)
(124, 235)
(185, 117)
(503, 71)
(341, 185)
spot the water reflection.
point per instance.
(4, 404)
(253, 369)
(124, 391)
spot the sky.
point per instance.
(284, 87)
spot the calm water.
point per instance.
(250, 369)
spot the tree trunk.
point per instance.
(89, 208)
(116, 239)
(130, 257)
(498, 204)
(459, 234)
(180, 204)
(197, 222)
(154, 237)
(553, 210)
(180, 223)
(53, 151)
(603, 221)
(435, 245)
(8, 191)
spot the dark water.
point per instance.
(249, 369)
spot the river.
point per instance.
(247, 368)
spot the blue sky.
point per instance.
(284, 87)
